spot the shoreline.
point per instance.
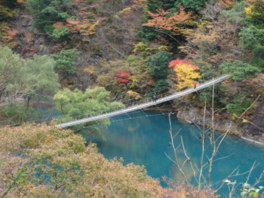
(252, 141)
(181, 116)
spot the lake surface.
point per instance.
(143, 138)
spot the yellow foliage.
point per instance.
(163, 48)
(248, 10)
(82, 170)
(186, 76)
(127, 9)
(5, 12)
(89, 70)
(245, 121)
(134, 94)
(135, 79)
(86, 28)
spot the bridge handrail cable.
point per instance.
(145, 105)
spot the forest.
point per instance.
(82, 58)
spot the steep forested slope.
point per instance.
(81, 56)
(139, 48)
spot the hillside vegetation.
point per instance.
(137, 48)
(87, 57)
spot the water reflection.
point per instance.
(145, 141)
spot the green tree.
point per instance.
(153, 5)
(251, 37)
(60, 33)
(256, 15)
(158, 65)
(192, 5)
(158, 68)
(11, 66)
(235, 15)
(238, 69)
(39, 77)
(48, 12)
(77, 104)
(65, 60)
(161, 86)
(24, 79)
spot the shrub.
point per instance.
(255, 13)
(158, 65)
(65, 60)
(235, 15)
(251, 37)
(60, 32)
(161, 86)
(191, 4)
(239, 70)
(48, 12)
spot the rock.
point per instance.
(43, 50)
(255, 128)
(194, 116)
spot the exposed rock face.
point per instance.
(255, 128)
(252, 132)
(194, 116)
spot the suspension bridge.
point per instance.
(147, 104)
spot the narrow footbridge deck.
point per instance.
(145, 105)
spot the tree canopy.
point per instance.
(21, 79)
(26, 77)
(43, 161)
(239, 70)
(77, 104)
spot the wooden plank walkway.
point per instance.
(145, 105)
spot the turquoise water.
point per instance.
(143, 139)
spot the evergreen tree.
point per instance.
(47, 12)
(153, 5)
(158, 68)
(238, 69)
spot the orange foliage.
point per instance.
(73, 22)
(28, 36)
(85, 27)
(161, 21)
(86, 21)
(226, 3)
(21, 1)
(9, 33)
(57, 25)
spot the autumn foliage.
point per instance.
(186, 73)
(9, 33)
(84, 27)
(123, 76)
(161, 20)
(43, 161)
